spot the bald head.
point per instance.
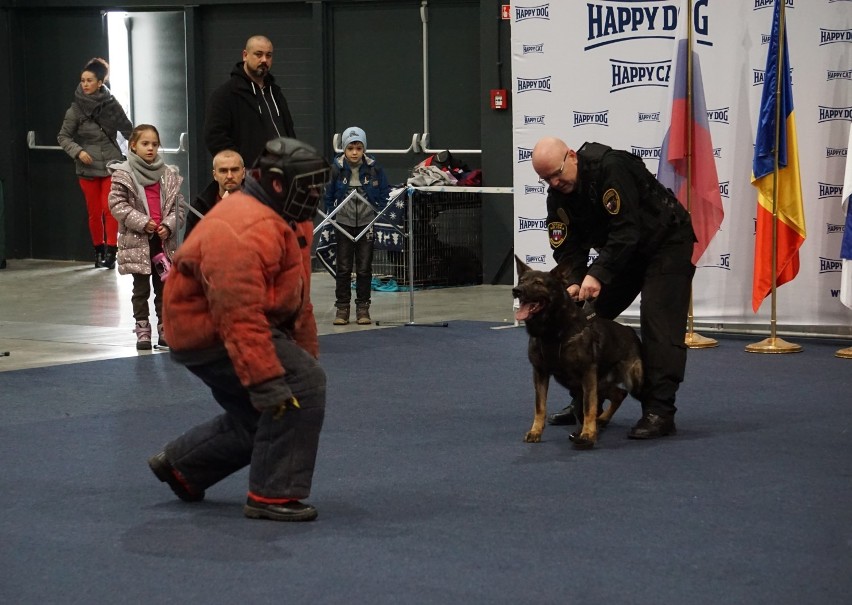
(228, 155)
(228, 171)
(548, 152)
(555, 163)
(257, 40)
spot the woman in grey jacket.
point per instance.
(88, 135)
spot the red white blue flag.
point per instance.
(700, 192)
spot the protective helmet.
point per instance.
(303, 171)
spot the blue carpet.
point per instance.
(427, 493)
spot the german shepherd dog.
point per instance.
(590, 356)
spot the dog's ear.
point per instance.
(521, 266)
(561, 273)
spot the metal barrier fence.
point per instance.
(441, 242)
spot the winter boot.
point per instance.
(109, 259)
(99, 256)
(342, 316)
(161, 339)
(362, 314)
(143, 335)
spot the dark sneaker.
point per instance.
(287, 511)
(651, 426)
(166, 473)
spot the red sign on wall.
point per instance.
(505, 11)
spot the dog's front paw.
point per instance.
(532, 437)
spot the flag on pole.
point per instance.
(846, 245)
(788, 195)
(705, 200)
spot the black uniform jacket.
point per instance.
(618, 208)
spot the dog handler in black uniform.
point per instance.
(606, 199)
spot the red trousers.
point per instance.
(102, 225)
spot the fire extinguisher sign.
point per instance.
(506, 11)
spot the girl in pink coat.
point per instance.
(146, 201)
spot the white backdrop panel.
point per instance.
(599, 71)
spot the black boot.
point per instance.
(109, 259)
(567, 415)
(99, 256)
(652, 426)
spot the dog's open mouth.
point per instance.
(527, 310)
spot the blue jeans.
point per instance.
(281, 451)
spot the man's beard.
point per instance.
(260, 71)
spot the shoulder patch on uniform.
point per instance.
(557, 232)
(612, 201)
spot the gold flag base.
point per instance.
(697, 341)
(773, 345)
(844, 353)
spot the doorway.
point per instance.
(147, 54)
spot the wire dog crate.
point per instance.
(447, 242)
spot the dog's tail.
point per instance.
(634, 376)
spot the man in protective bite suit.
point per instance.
(238, 315)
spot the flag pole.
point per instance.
(773, 344)
(692, 340)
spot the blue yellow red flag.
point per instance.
(781, 197)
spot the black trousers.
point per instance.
(664, 281)
(359, 253)
(281, 450)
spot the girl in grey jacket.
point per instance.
(146, 201)
(88, 135)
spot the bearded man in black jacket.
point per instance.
(249, 109)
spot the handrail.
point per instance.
(181, 148)
(414, 146)
(424, 146)
(32, 144)
(419, 144)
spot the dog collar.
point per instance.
(589, 309)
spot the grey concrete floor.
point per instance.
(57, 312)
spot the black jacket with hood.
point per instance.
(243, 116)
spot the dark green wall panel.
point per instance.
(339, 63)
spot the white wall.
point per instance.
(568, 63)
